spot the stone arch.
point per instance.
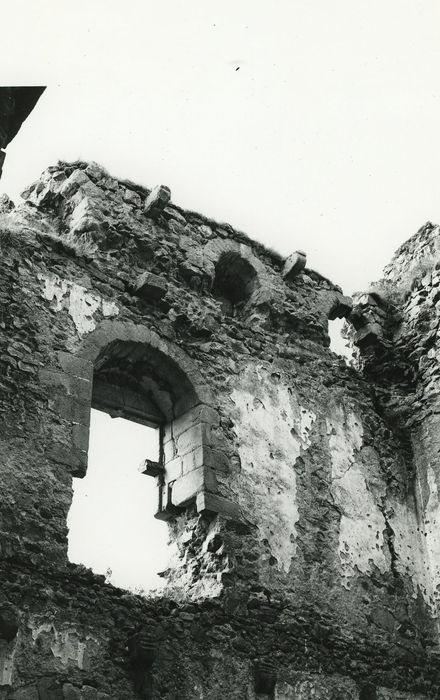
(112, 331)
(134, 373)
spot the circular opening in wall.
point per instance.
(235, 278)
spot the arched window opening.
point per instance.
(144, 389)
(235, 278)
(112, 528)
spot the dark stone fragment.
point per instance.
(341, 308)
(9, 621)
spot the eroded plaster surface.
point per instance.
(66, 645)
(7, 654)
(431, 526)
(272, 428)
(81, 304)
(359, 491)
(362, 524)
(410, 548)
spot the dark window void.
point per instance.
(112, 528)
(235, 279)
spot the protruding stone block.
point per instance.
(157, 200)
(151, 468)
(294, 265)
(151, 287)
(211, 503)
(341, 308)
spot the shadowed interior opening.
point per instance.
(142, 384)
(235, 278)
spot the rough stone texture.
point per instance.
(300, 493)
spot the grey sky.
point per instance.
(310, 125)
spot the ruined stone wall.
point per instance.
(406, 343)
(299, 565)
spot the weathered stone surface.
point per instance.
(190, 484)
(150, 287)
(301, 495)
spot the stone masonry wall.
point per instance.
(301, 568)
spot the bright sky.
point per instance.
(111, 521)
(308, 124)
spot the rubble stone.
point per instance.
(150, 286)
